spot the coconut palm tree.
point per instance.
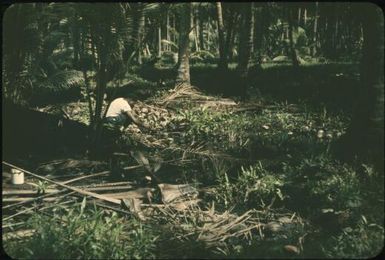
(245, 44)
(221, 39)
(183, 65)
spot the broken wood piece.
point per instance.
(109, 188)
(141, 193)
(184, 205)
(26, 192)
(171, 192)
(133, 205)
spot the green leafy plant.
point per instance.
(84, 233)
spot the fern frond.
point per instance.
(62, 80)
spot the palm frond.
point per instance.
(62, 80)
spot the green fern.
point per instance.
(62, 80)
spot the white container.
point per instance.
(17, 176)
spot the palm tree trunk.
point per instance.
(293, 51)
(159, 41)
(229, 35)
(313, 50)
(140, 33)
(201, 38)
(183, 65)
(221, 34)
(246, 39)
(258, 32)
(75, 42)
(83, 53)
(245, 45)
(167, 29)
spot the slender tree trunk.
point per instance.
(183, 65)
(221, 36)
(141, 24)
(196, 30)
(75, 42)
(167, 30)
(293, 51)
(245, 45)
(299, 19)
(208, 34)
(229, 36)
(313, 50)
(201, 37)
(159, 41)
(83, 54)
(304, 17)
(258, 32)
(193, 32)
(174, 28)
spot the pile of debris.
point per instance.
(175, 204)
(184, 93)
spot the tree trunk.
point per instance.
(83, 54)
(365, 135)
(196, 31)
(293, 51)
(299, 19)
(245, 45)
(183, 65)
(201, 38)
(258, 32)
(221, 34)
(167, 30)
(229, 37)
(159, 41)
(313, 50)
(193, 32)
(75, 42)
(141, 24)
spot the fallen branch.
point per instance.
(26, 192)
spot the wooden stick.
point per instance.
(83, 192)
(86, 176)
(5, 200)
(26, 192)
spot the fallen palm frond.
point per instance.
(185, 92)
(190, 224)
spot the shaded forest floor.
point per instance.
(269, 182)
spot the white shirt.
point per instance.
(118, 106)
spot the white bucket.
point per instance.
(17, 176)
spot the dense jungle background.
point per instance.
(266, 138)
